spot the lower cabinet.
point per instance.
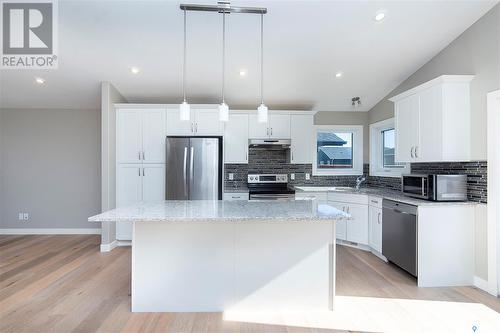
(375, 222)
(230, 196)
(137, 182)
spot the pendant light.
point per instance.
(184, 108)
(262, 109)
(223, 107)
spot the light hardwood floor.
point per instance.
(64, 284)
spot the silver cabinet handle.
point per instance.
(139, 156)
(343, 208)
(416, 155)
(271, 131)
(192, 127)
(347, 209)
(378, 218)
(412, 152)
(196, 127)
(143, 172)
(267, 131)
(374, 201)
(143, 156)
(292, 154)
(139, 169)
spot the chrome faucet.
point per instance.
(360, 181)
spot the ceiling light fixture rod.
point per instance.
(184, 62)
(223, 8)
(261, 59)
(223, 53)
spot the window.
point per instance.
(383, 151)
(339, 150)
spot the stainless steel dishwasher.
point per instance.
(399, 235)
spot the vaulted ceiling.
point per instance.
(306, 44)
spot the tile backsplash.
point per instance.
(278, 161)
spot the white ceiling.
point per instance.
(306, 43)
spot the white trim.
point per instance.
(357, 158)
(484, 285)
(123, 243)
(493, 209)
(108, 247)
(51, 231)
(376, 168)
(439, 80)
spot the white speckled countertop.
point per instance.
(382, 193)
(213, 210)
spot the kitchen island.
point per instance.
(204, 256)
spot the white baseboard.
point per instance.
(124, 243)
(484, 285)
(108, 247)
(51, 231)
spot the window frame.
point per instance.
(357, 150)
(376, 159)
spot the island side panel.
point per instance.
(283, 266)
(182, 266)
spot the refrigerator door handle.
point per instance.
(185, 171)
(191, 162)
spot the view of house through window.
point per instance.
(334, 150)
(388, 149)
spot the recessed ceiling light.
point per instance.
(339, 74)
(243, 72)
(379, 16)
(39, 80)
(134, 70)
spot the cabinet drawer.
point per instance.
(235, 196)
(348, 198)
(375, 201)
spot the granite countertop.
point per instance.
(382, 193)
(230, 211)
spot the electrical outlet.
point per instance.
(230, 176)
(308, 176)
(26, 216)
(21, 216)
(292, 176)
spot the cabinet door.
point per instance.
(207, 122)
(340, 226)
(153, 182)
(301, 131)
(257, 130)
(375, 221)
(406, 126)
(129, 138)
(177, 127)
(279, 126)
(153, 136)
(128, 191)
(429, 145)
(236, 139)
(357, 228)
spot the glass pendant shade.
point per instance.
(262, 113)
(223, 112)
(185, 111)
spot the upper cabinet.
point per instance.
(432, 121)
(141, 135)
(236, 139)
(301, 132)
(277, 127)
(203, 121)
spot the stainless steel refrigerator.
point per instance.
(194, 168)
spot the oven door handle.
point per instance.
(271, 196)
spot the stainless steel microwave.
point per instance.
(435, 187)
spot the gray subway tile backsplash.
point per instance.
(277, 161)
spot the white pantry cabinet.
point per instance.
(432, 121)
(141, 135)
(137, 182)
(301, 133)
(236, 139)
(277, 127)
(202, 121)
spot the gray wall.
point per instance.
(51, 167)
(347, 118)
(476, 51)
(109, 96)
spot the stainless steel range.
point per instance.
(270, 187)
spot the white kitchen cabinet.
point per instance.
(202, 122)
(141, 136)
(432, 121)
(233, 196)
(375, 222)
(340, 226)
(137, 182)
(277, 127)
(301, 132)
(236, 139)
(357, 228)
